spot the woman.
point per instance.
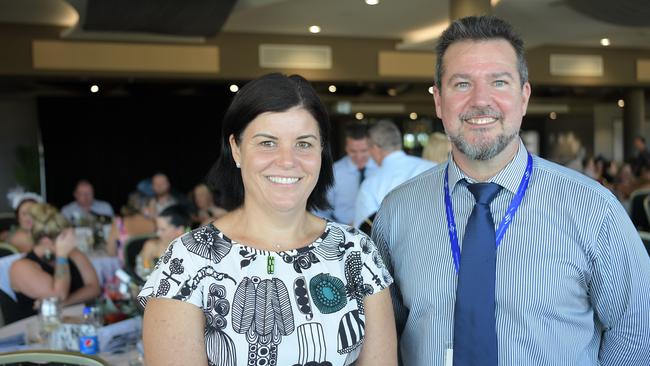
(171, 223)
(133, 222)
(206, 209)
(437, 148)
(53, 268)
(270, 283)
(21, 237)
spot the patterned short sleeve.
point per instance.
(171, 276)
(373, 270)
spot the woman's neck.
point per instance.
(278, 231)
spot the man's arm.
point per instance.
(619, 291)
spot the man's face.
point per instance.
(84, 195)
(160, 184)
(639, 145)
(358, 151)
(480, 100)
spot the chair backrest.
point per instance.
(132, 248)
(637, 211)
(46, 356)
(7, 249)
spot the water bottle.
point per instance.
(88, 341)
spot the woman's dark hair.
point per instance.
(177, 215)
(270, 93)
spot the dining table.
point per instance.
(24, 335)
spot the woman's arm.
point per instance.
(380, 341)
(173, 333)
(91, 288)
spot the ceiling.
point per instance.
(414, 23)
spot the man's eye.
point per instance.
(500, 83)
(462, 85)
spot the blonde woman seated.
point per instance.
(437, 148)
(269, 283)
(53, 268)
(171, 223)
(134, 220)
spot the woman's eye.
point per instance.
(304, 145)
(267, 143)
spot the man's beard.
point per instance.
(484, 149)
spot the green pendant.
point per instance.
(270, 265)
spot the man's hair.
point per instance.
(641, 138)
(177, 215)
(480, 28)
(356, 131)
(386, 135)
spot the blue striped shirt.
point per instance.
(572, 280)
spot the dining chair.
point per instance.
(47, 356)
(132, 248)
(7, 249)
(637, 210)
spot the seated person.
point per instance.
(171, 223)
(134, 221)
(206, 208)
(20, 236)
(53, 268)
(85, 208)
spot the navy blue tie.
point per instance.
(475, 337)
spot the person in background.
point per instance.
(85, 206)
(395, 168)
(501, 257)
(20, 236)
(642, 158)
(269, 283)
(349, 172)
(133, 221)
(53, 268)
(205, 205)
(437, 148)
(163, 196)
(171, 223)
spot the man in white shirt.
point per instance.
(395, 168)
(85, 206)
(349, 172)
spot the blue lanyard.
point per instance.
(505, 222)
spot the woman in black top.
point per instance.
(54, 267)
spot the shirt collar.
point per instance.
(395, 155)
(509, 177)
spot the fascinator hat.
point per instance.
(16, 196)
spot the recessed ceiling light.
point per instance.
(94, 88)
(234, 88)
(314, 29)
(621, 103)
(413, 116)
(372, 2)
(358, 116)
(552, 115)
(332, 88)
(604, 42)
(431, 90)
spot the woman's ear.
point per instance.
(234, 148)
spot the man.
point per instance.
(642, 159)
(163, 196)
(85, 206)
(570, 278)
(349, 172)
(395, 168)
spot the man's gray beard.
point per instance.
(482, 151)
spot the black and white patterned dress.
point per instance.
(274, 308)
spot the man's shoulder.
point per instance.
(553, 176)
(70, 207)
